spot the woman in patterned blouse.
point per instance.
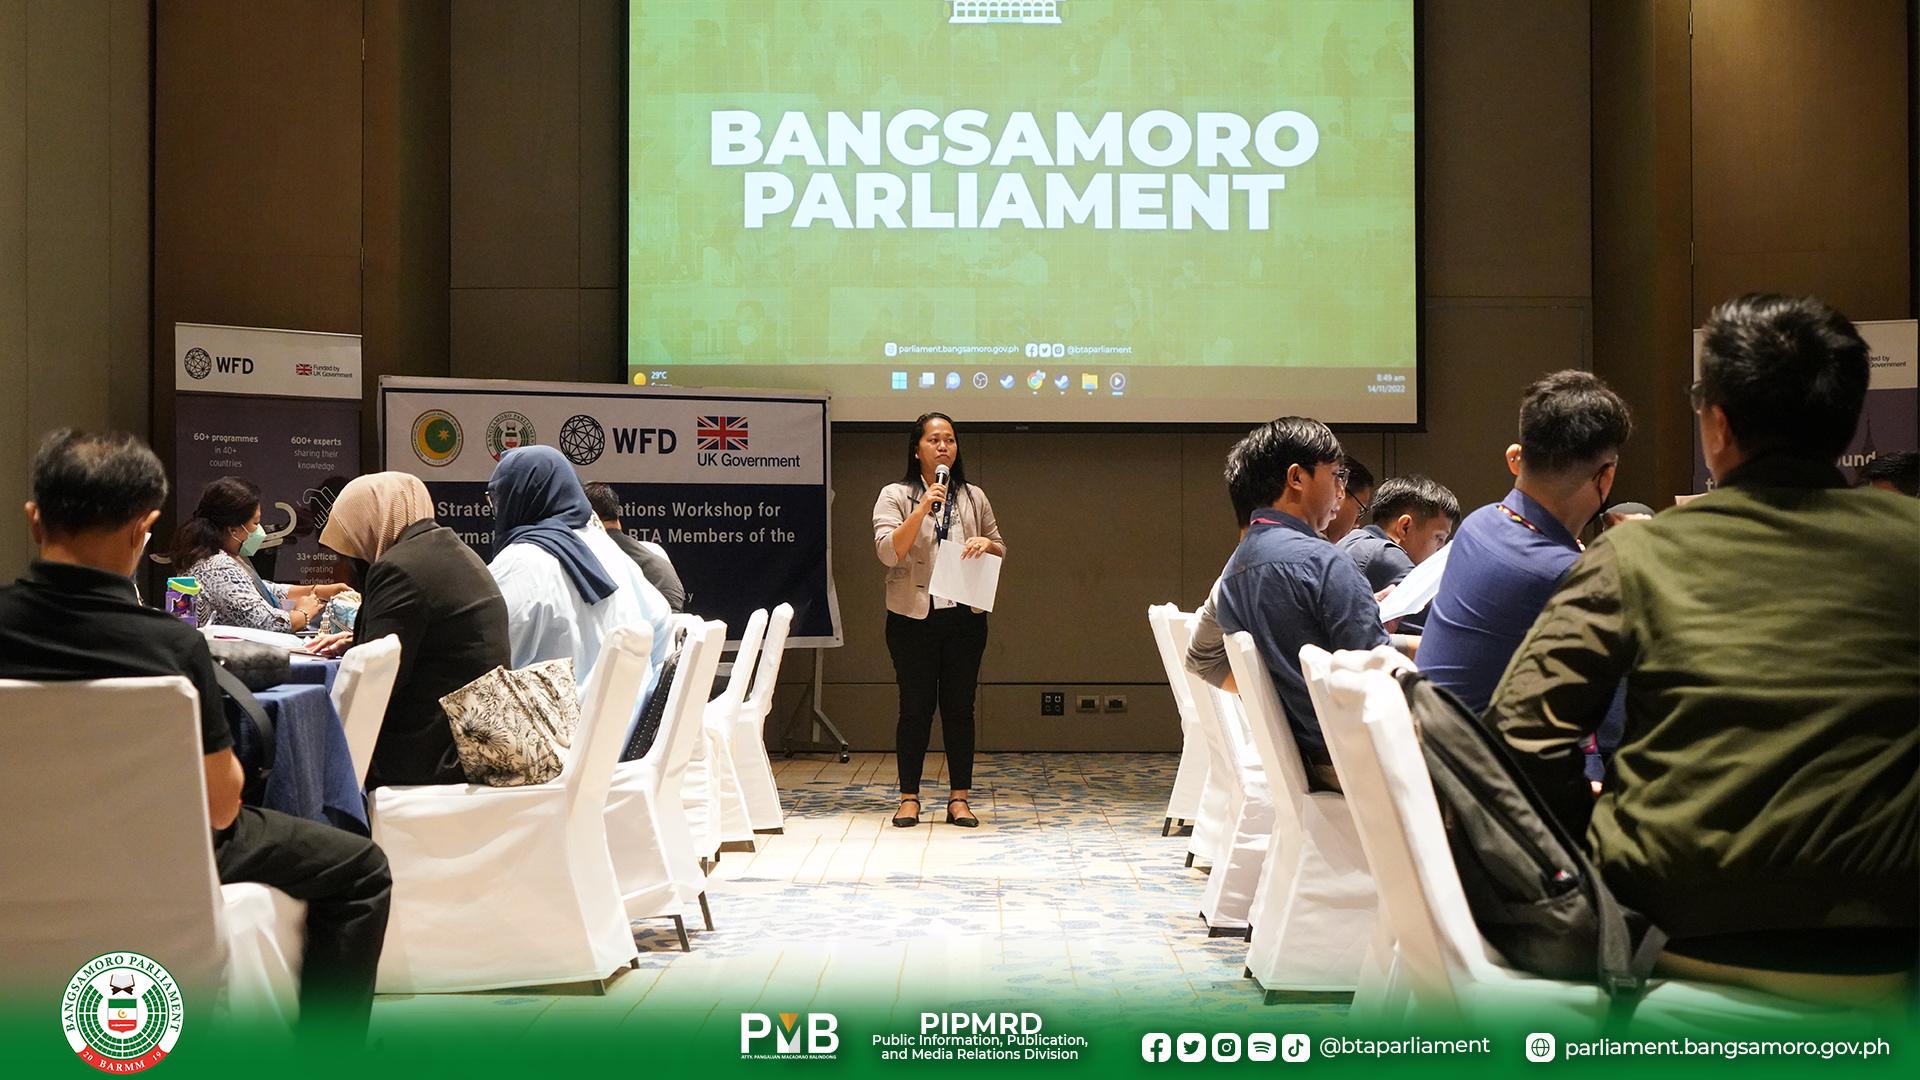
(213, 546)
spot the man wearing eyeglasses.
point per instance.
(1357, 504)
(1285, 584)
(1764, 798)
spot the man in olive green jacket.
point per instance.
(1763, 806)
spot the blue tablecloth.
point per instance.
(315, 670)
(312, 768)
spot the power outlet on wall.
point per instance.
(1116, 703)
(1053, 703)
(1086, 703)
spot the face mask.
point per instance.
(252, 543)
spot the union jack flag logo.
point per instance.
(303, 369)
(720, 432)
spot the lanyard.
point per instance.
(1516, 516)
(943, 524)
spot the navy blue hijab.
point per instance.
(538, 500)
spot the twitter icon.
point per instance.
(1191, 1046)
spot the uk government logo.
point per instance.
(436, 437)
(509, 430)
(796, 1036)
(582, 439)
(122, 1012)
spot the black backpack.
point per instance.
(655, 710)
(1534, 894)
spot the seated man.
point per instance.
(653, 562)
(76, 616)
(1509, 557)
(1285, 584)
(1355, 505)
(1207, 652)
(1412, 519)
(1763, 799)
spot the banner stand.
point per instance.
(815, 745)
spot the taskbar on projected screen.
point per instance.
(1072, 390)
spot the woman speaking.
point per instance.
(936, 645)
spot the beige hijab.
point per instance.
(372, 511)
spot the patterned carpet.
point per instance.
(1066, 893)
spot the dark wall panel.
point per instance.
(516, 144)
(257, 171)
(1800, 157)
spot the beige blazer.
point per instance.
(907, 578)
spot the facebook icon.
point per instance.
(1156, 1046)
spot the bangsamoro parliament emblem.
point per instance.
(121, 1012)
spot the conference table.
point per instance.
(312, 773)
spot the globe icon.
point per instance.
(199, 364)
(582, 439)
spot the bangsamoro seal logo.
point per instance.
(122, 1012)
(436, 437)
(509, 430)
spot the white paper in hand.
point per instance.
(1417, 589)
(972, 582)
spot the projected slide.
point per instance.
(1048, 211)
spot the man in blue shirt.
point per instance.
(1412, 518)
(1508, 558)
(1285, 584)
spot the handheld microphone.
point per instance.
(945, 510)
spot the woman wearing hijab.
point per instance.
(421, 584)
(213, 547)
(566, 584)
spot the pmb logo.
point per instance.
(793, 1035)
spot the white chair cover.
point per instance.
(1210, 821)
(749, 740)
(647, 830)
(361, 689)
(1234, 877)
(1191, 778)
(724, 788)
(266, 930)
(1313, 913)
(126, 861)
(513, 886)
(1444, 967)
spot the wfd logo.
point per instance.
(820, 1031)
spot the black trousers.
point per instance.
(936, 662)
(344, 880)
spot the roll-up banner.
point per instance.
(280, 408)
(734, 484)
(1890, 417)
